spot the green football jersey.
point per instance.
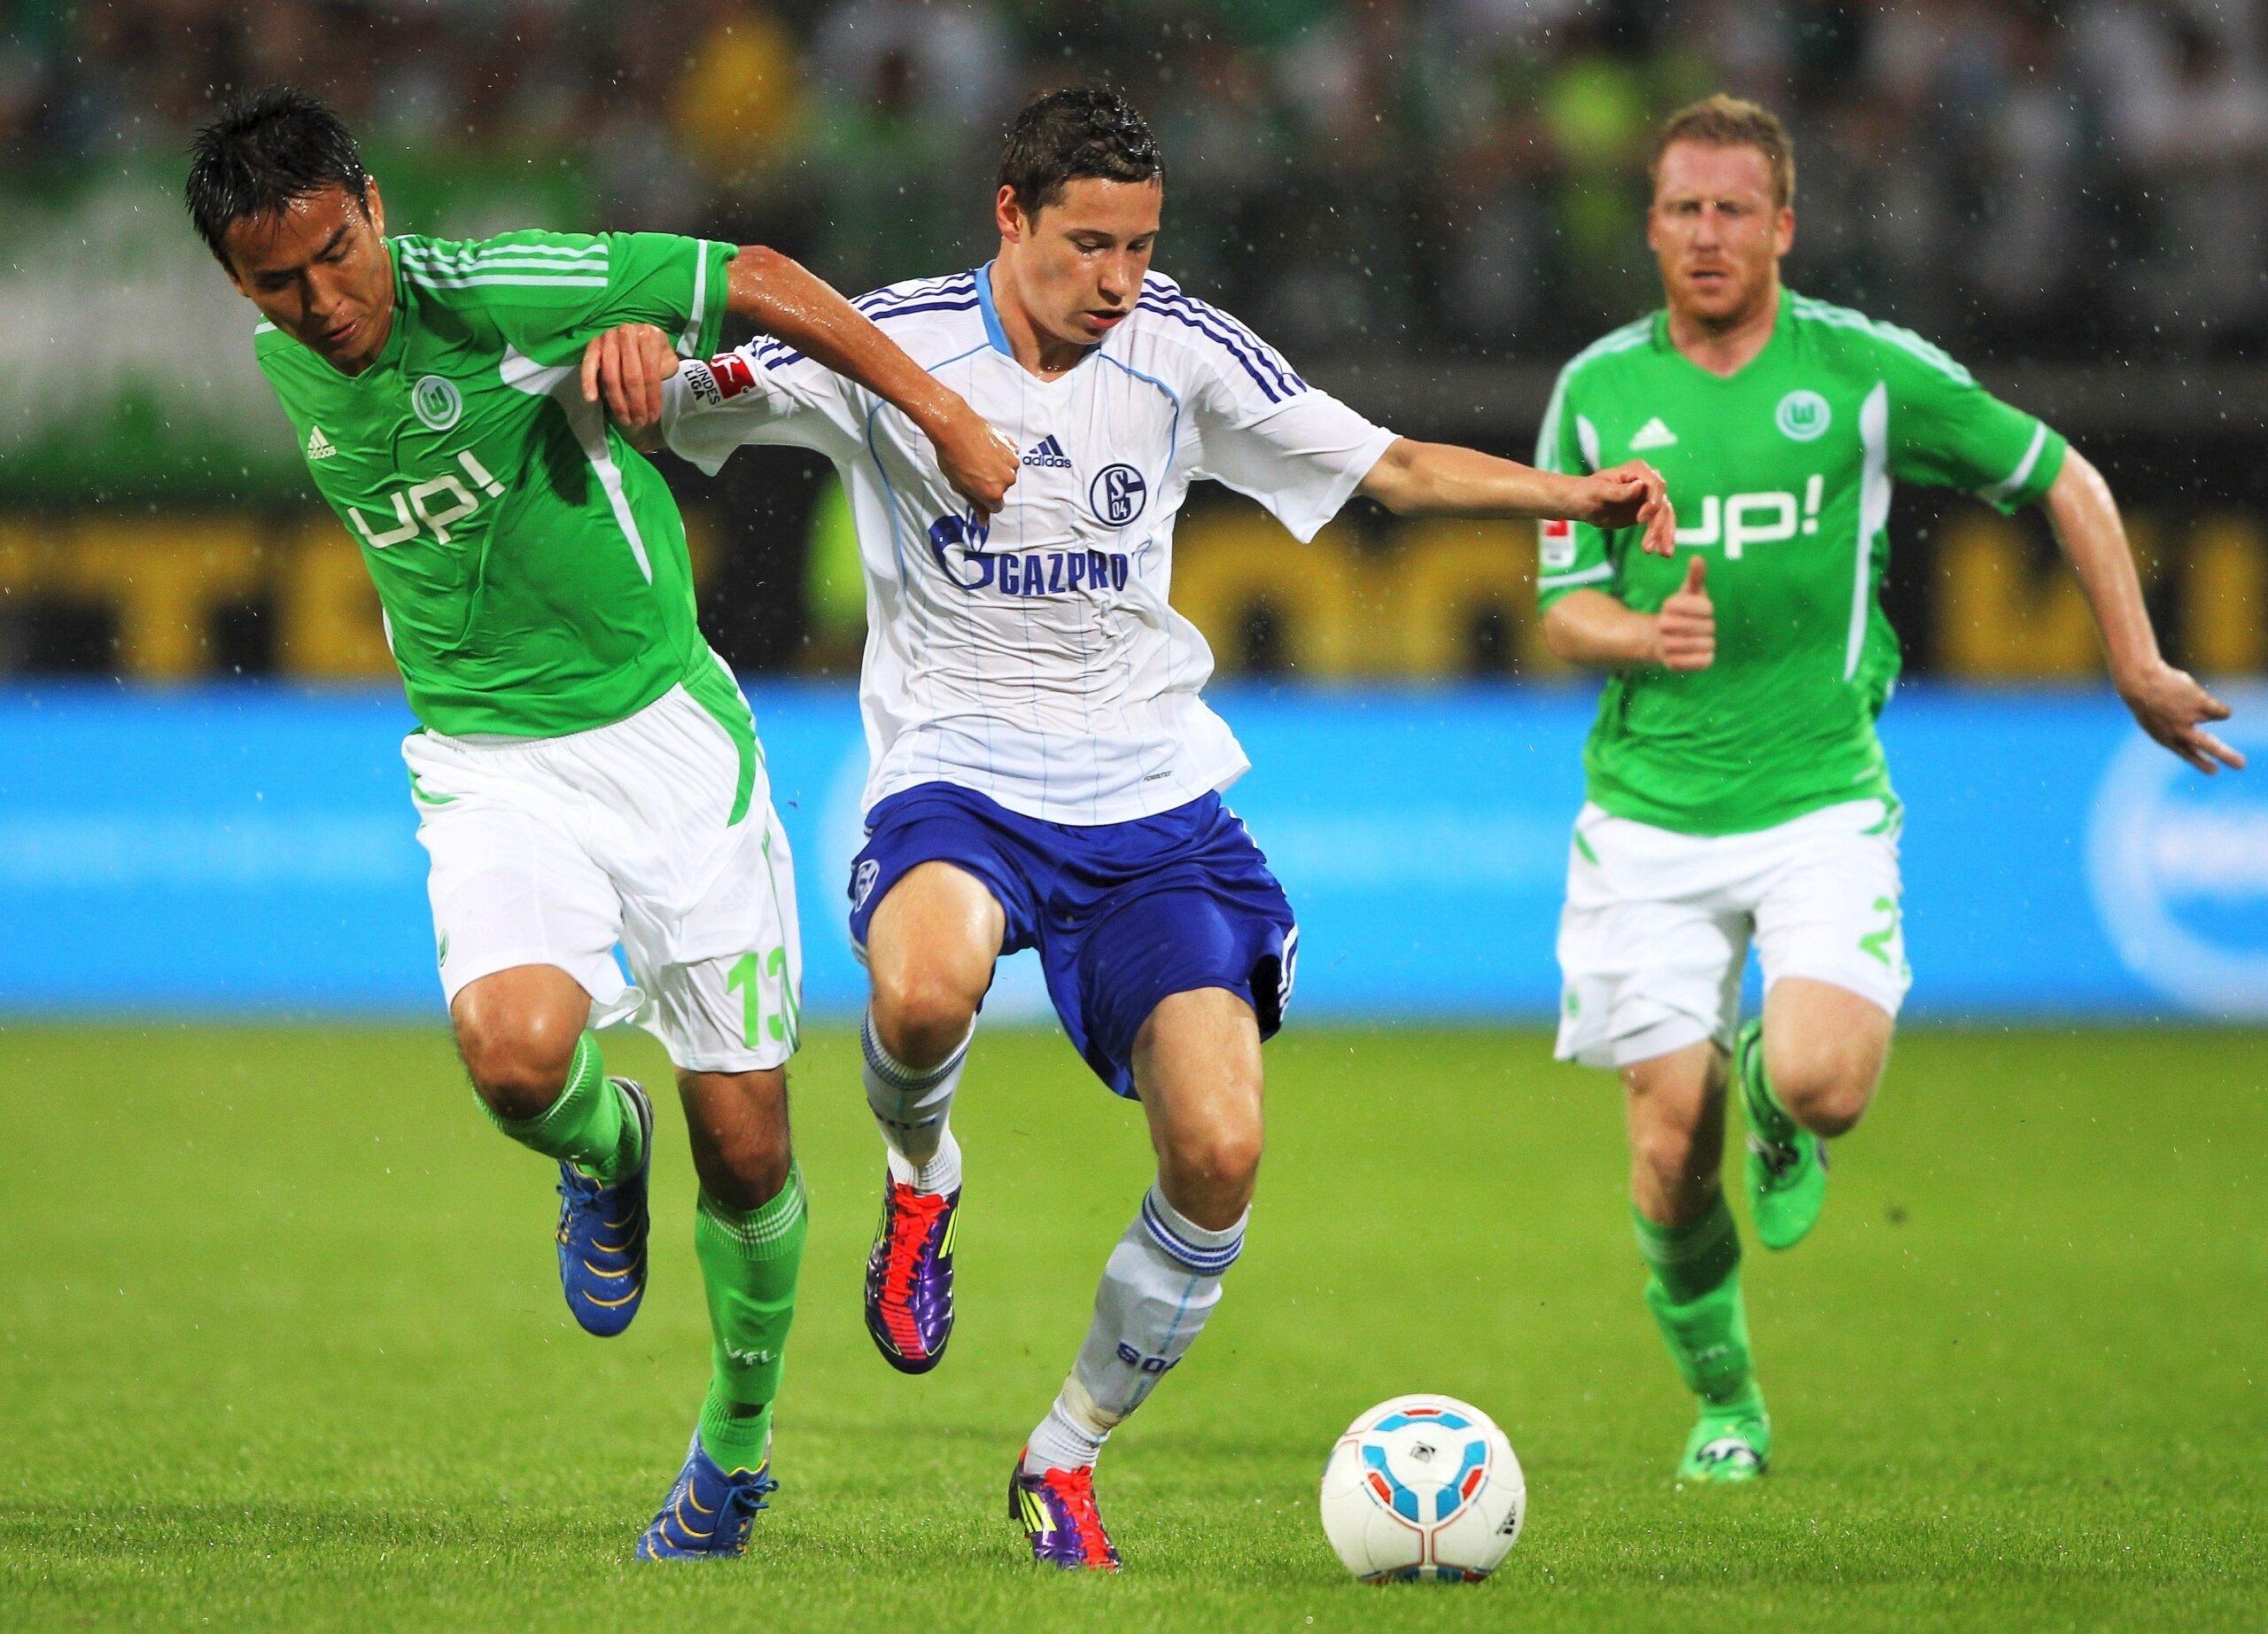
(531, 564)
(1782, 477)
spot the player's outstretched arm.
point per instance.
(627, 366)
(1592, 628)
(1441, 479)
(780, 297)
(2167, 703)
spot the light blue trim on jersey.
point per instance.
(1173, 447)
(993, 333)
(1173, 427)
(896, 550)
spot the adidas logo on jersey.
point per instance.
(1048, 453)
(1653, 434)
(319, 445)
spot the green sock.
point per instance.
(590, 1125)
(749, 1264)
(1765, 1111)
(1695, 1297)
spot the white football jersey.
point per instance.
(1037, 660)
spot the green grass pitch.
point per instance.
(281, 1346)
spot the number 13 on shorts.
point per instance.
(769, 1006)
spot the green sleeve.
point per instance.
(1948, 431)
(1568, 555)
(547, 293)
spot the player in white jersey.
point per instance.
(1044, 772)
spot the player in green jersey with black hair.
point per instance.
(586, 772)
(1737, 790)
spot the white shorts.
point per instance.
(1654, 939)
(656, 833)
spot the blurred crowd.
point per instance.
(2010, 176)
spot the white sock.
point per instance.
(912, 1107)
(1162, 1281)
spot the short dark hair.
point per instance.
(1083, 130)
(277, 145)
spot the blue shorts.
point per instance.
(1123, 914)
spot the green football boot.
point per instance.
(1730, 1443)
(1787, 1166)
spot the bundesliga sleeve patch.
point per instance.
(722, 378)
(1556, 543)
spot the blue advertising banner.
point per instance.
(252, 848)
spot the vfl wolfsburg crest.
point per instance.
(1803, 416)
(439, 404)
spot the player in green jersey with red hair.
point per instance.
(1737, 790)
(585, 771)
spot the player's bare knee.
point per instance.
(920, 1017)
(517, 1031)
(747, 1174)
(1209, 1174)
(1827, 1094)
(517, 1067)
(1835, 1109)
(1232, 1157)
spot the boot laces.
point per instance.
(1074, 1490)
(911, 1215)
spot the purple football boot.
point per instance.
(910, 1277)
(1056, 1510)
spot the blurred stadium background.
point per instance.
(1428, 207)
(2016, 1383)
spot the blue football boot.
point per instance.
(602, 1234)
(707, 1513)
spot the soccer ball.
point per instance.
(1423, 1488)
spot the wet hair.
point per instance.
(1083, 130)
(261, 154)
(1728, 122)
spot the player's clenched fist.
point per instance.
(1685, 630)
(979, 462)
(1632, 494)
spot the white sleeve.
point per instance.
(1303, 457)
(763, 391)
(1260, 429)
